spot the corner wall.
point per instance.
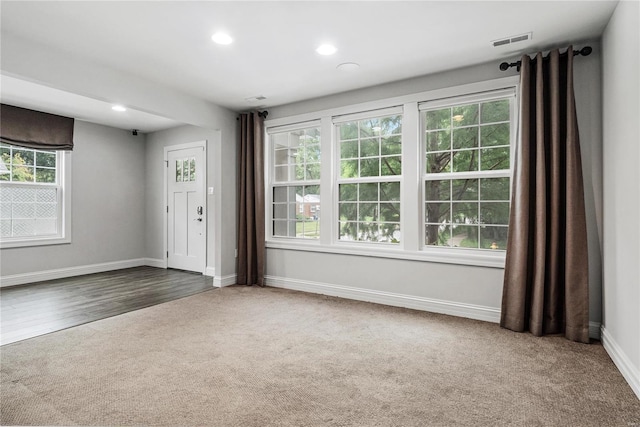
(621, 154)
(220, 206)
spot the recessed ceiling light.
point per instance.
(222, 38)
(118, 108)
(348, 66)
(326, 49)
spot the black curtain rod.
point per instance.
(262, 114)
(585, 51)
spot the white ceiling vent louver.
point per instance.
(512, 39)
(255, 98)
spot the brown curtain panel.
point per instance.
(34, 129)
(546, 288)
(251, 241)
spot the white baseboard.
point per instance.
(630, 372)
(453, 308)
(210, 271)
(488, 314)
(154, 262)
(60, 273)
(220, 282)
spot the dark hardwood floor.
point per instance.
(36, 309)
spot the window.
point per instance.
(31, 196)
(369, 179)
(295, 182)
(424, 176)
(467, 172)
(186, 169)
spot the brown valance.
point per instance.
(35, 129)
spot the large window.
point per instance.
(423, 176)
(369, 179)
(295, 182)
(31, 199)
(467, 173)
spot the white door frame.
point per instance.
(165, 236)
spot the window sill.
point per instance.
(471, 257)
(36, 241)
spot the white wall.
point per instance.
(465, 290)
(221, 206)
(621, 154)
(107, 204)
(588, 94)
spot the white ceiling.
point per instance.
(43, 98)
(273, 53)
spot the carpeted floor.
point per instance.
(244, 356)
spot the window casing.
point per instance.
(467, 169)
(34, 206)
(295, 182)
(370, 158)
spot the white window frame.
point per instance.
(337, 179)
(63, 173)
(505, 173)
(271, 182)
(411, 246)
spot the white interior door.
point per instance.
(186, 234)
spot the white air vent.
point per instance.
(512, 39)
(255, 98)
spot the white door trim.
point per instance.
(165, 238)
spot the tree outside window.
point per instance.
(467, 169)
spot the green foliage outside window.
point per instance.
(472, 138)
(25, 165)
(371, 148)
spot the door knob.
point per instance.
(198, 219)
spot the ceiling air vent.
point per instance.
(255, 98)
(512, 39)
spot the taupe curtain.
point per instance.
(251, 241)
(34, 129)
(546, 289)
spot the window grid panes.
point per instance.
(29, 193)
(295, 163)
(296, 211)
(467, 170)
(296, 155)
(186, 169)
(26, 165)
(369, 179)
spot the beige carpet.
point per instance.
(245, 356)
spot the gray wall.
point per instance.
(457, 283)
(621, 104)
(107, 205)
(221, 205)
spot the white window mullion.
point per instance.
(410, 196)
(328, 189)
